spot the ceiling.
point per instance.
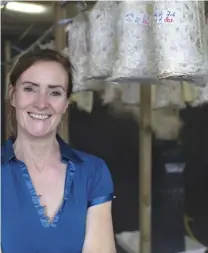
(16, 23)
(22, 29)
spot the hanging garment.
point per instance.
(102, 36)
(135, 59)
(178, 30)
(78, 51)
(83, 100)
(201, 96)
(167, 94)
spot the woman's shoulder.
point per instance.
(87, 158)
(76, 155)
(99, 179)
(92, 166)
(7, 152)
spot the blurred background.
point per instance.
(113, 135)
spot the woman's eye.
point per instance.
(56, 93)
(28, 89)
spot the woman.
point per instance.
(54, 199)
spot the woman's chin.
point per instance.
(39, 133)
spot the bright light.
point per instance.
(25, 7)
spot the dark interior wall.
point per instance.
(195, 137)
(2, 94)
(116, 140)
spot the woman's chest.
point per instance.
(25, 230)
(49, 186)
(23, 235)
(25, 227)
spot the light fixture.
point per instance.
(25, 7)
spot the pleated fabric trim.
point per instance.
(45, 221)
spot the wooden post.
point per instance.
(60, 42)
(145, 182)
(60, 34)
(7, 59)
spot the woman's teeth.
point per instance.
(39, 116)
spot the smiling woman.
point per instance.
(54, 198)
(28, 76)
(40, 97)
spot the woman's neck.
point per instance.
(35, 151)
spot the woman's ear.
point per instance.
(11, 90)
(66, 106)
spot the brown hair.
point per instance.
(26, 61)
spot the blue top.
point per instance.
(25, 228)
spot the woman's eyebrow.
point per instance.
(51, 86)
(32, 83)
(54, 86)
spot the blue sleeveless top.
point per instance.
(25, 227)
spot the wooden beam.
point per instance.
(145, 178)
(60, 42)
(60, 34)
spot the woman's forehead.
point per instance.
(52, 73)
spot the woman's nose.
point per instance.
(41, 101)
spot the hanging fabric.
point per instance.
(178, 30)
(135, 61)
(78, 51)
(84, 100)
(166, 123)
(48, 45)
(167, 94)
(65, 52)
(202, 92)
(110, 93)
(130, 93)
(202, 96)
(102, 36)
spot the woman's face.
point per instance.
(40, 98)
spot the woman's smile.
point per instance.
(39, 116)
